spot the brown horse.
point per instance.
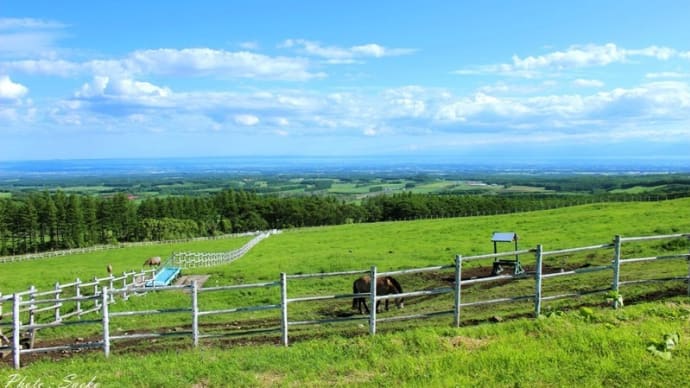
(153, 261)
(384, 285)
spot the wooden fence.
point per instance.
(195, 311)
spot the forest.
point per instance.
(50, 220)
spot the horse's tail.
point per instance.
(355, 291)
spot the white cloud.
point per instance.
(249, 45)
(195, 62)
(121, 88)
(588, 83)
(11, 90)
(27, 37)
(667, 74)
(28, 23)
(334, 54)
(205, 61)
(246, 119)
(577, 56)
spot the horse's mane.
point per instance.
(395, 284)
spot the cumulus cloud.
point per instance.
(11, 90)
(577, 56)
(667, 74)
(194, 62)
(121, 88)
(588, 83)
(205, 61)
(335, 54)
(246, 119)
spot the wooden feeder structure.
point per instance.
(500, 264)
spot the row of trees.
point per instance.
(55, 220)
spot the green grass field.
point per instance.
(576, 343)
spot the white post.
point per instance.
(283, 308)
(616, 268)
(16, 330)
(195, 314)
(106, 322)
(78, 294)
(688, 274)
(537, 281)
(32, 306)
(124, 286)
(458, 281)
(58, 304)
(372, 301)
(95, 292)
(110, 285)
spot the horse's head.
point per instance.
(396, 288)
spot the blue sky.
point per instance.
(489, 79)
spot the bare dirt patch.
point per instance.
(186, 280)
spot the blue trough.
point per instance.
(164, 277)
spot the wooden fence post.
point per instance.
(195, 313)
(537, 281)
(283, 308)
(458, 287)
(106, 322)
(16, 330)
(372, 301)
(616, 269)
(58, 304)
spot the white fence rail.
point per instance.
(96, 248)
(205, 259)
(27, 301)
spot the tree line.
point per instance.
(43, 221)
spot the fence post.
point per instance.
(616, 268)
(78, 294)
(195, 313)
(688, 274)
(124, 286)
(110, 284)
(537, 281)
(458, 281)
(95, 292)
(283, 308)
(372, 301)
(32, 306)
(16, 330)
(58, 304)
(106, 322)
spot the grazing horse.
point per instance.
(153, 261)
(384, 285)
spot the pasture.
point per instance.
(348, 356)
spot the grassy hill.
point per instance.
(577, 346)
